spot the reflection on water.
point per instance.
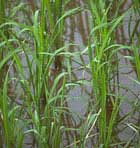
(79, 97)
(77, 31)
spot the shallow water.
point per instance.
(79, 96)
(77, 31)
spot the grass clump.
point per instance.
(39, 65)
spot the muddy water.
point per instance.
(76, 31)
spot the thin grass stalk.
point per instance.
(2, 20)
(5, 119)
(136, 61)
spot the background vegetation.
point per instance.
(69, 74)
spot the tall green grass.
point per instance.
(37, 74)
(102, 57)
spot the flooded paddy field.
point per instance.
(70, 74)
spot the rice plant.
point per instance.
(54, 53)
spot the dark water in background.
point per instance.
(77, 31)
